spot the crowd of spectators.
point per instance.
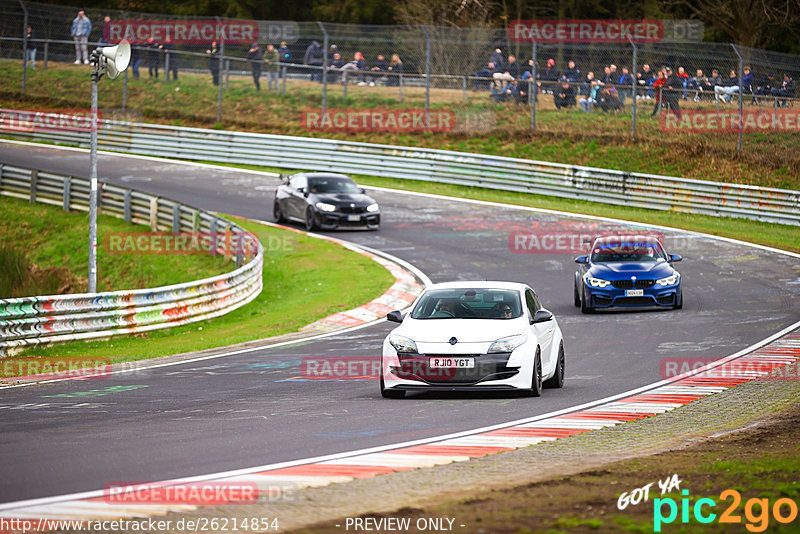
(506, 80)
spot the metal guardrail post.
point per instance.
(324, 67)
(741, 97)
(219, 82)
(212, 234)
(67, 200)
(126, 206)
(154, 214)
(34, 185)
(176, 219)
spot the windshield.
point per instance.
(468, 304)
(332, 185)
(625, 250)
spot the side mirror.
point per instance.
(362, 190)
(582, 259)
(675, 257)
(394, 317)
(542, 316)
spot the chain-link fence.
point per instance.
(478, 79)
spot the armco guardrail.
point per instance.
(496, 172)
(38, 320)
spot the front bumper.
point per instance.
(491, 371)
(610, 297)
(332, 220)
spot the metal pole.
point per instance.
(124, 90)
(219, 73)
(464, 90)
(24, 46)
(741, 97)
(46, 46)
(227, 72)
(400, 89)
(633, 88)
(166, 65)
(93, 180)
(534, 89)
(324, 67)
(427, 74)
(283, 79)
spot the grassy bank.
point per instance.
(596, 139)
(45, 251)
(305, 279)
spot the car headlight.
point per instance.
(669, 280)
(372, 208)
(507, 344)
(402, 344)
(324, 206)
(597, 282)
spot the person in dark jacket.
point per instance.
(213, 62)
(254, 57)
(378, 70)
(136, 58)
(30, 48)
(284, 56)
(573, 73)
(498, 59)
(564, 97)
(313, 58)
(671, 94)
(785, 90)
(395, 70)
(170, 59)
(482, 75)
(152, 57)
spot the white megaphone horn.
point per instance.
(116, 58)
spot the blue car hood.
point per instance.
(620, 270)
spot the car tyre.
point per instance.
(576, 295)
(557, 380)
(277, 212)
(536, 377)
(584, 307)
(391, 393)
(311, 223)
(678, 301)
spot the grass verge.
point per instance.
(305, 279)
(593, 139)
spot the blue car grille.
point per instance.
(629, 284)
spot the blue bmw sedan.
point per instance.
(627, 270)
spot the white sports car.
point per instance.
(474, 336)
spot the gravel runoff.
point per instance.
(742, 407)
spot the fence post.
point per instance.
(24, 45)
(67, 193)
(126, 205)
(212, 234)
(534, 90)
(46, 47)
(741, 97)
(427, 75)
(219, 81)
(324, 67)
(154, 214)
(283, 80)
(633, 88)
(345, 86)
(34, 185)
(464, 90)
(227, 72)
(400, 89)
(176, 218)
(124, 90)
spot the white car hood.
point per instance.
(464, 330)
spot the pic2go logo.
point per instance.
(756, 511)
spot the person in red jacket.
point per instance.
(661, 80)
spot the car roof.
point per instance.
(480, 284)
(323, 175)
(635, 238)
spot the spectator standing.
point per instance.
(313, 58)
(284, 56)
(136, 58)
(254, 57)
(379, 69)
(170, 59)
(396, 68)
(564, 97)
(658, 86)
(625, 84)
(80, 30)
(104, 31)
(673, 85)
(271, 59)
(30, 48)
(213, 62)
(152, 57)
